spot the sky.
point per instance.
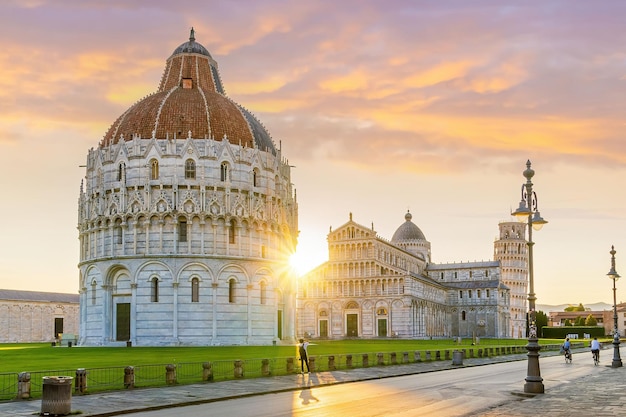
(382, 107)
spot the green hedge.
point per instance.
(562, 331)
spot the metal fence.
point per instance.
(29, 384)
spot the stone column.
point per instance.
(207, 371)
(23, 385)
(170, 374)
(129, 377)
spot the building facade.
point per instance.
(372, 287)
(33, 316)
(187, 219)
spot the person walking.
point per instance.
(304, 355)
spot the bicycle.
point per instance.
(596, 357)
(568, 356)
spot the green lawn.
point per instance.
(43, 357)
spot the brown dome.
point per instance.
(190, 98)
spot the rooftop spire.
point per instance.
(192, 36)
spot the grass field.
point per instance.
(43, 357)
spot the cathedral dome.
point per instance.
(190, 102)
(407, 231)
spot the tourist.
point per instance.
(304, 355)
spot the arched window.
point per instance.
(231, 290)
(488, 294)
(224, 172)
(195, 290)
(460, 294)
(231, 232)
(190, 169)
(263, 292)
(154, 290)
(469, 293)
(478, 294)
(93, 292)
(254, 178)
(154, 169)
(182, 230)
(118, 236)
(121, 171)
(463, 315)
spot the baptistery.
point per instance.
(187, 218)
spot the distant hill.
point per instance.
(547, 308)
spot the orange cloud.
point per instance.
(354, 81)
(443, 72)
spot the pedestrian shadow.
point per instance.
(306, 395)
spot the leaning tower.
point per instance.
(511, 250)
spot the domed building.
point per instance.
(374, 288)
(187, 218)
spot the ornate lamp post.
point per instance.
(617, 361)
(528, 212)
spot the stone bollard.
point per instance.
(471, 353)
(393, 358)
(331, 363)
(238, 371)
(428, 355)
(56, 398)
(405, 357)
(289, 365)
(381, 359)
(265, 367)
(480, 353)
(366, 360)
(437, 355)
(349, 361)
(207, 371)
(129, 377)
(447, 355)
(417, 355)
(312, 363)
(23, 385)
(170, 374)
(81, 381)
(464, 352)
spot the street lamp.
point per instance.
(527, 212)
(617, 361)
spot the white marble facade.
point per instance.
(187, 218)
(33, 316)
(375, 288)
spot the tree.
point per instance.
(591, 321)
(580, 321)
(541, 320)
(567, 323)
(579, 307)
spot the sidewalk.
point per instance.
(601, 396)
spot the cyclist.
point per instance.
(566, 349)
(595, 350)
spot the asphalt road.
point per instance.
(470, 391)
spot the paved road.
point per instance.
(600, 390)
(468, 391)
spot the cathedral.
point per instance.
(187, 219)
(371, 287)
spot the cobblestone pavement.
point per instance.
(600, 394)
